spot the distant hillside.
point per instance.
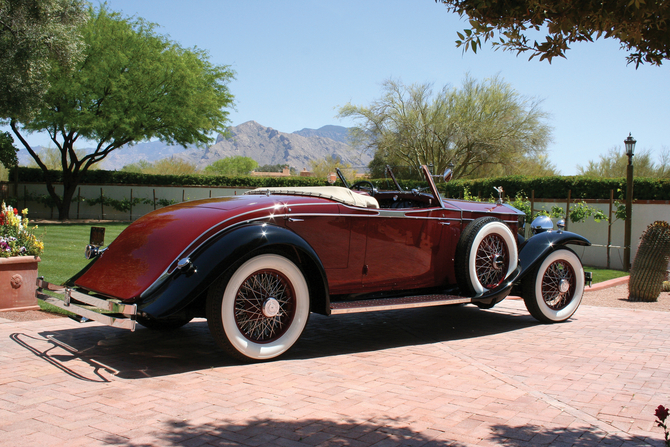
(269, 146)
(151, 152)
(250, 139)
(337, 133)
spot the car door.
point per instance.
(402, 249)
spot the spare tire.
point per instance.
(486, 254)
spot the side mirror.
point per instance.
(448, 175)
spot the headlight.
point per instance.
(541, 223)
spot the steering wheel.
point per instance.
(364, 185)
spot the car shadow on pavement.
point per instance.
(148, 353)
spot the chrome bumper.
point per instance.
(109, 312)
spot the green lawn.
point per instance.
(64, 246)
(600, 275)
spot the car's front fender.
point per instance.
(533, 250)
(211, 261)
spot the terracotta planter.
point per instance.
(18, 276)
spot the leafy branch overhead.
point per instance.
(641, 27)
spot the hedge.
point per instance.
(558, 187)
(545, 187)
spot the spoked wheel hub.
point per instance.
(264, 306)
(492, 261)
(558, 285)
(271, 308)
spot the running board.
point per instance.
(406, 302)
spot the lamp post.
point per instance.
(630, 148)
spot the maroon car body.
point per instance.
(256, 265)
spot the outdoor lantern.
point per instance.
(630, 145)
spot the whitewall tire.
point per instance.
(258, 311)
(486, 254)
(554, 289)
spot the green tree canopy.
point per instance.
(132, 85)
(613, 164)
(164, 166)
(237, 165)
(35, 34)
(641, 26)
(321, 169)
(480, 128)
(8, 151)
(279, 167)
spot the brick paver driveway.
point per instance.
(442, 376)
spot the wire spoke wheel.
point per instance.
(492, 261)
(264, 306)
(258, 310)
(558, 285)
(485, 255)
(553, 290)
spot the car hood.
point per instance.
(151, 246)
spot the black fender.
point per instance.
(210, 262)
(533, 250)
(489, 298)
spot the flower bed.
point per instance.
(19, 256)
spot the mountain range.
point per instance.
(251, 139)
(269, 146)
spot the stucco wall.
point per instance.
(643, 214)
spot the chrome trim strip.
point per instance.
(408, 302)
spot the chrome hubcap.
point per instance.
(563, 285)
(498, 261)
(270, 307)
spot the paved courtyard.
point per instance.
(450, 376)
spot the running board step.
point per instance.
(405, 302)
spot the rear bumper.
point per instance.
(85, 307)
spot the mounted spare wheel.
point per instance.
(486, 254)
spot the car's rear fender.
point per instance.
(533, 250)
(214, 258)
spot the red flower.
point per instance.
(662, 413)
(16, 212)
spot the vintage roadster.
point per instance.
(256, 265)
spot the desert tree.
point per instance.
(613, 164)
(480, 127)
(131, 85)
(34, 36)
(232, 166)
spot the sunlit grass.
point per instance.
(64, 246)
(600, 275)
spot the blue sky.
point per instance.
(298, 60)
